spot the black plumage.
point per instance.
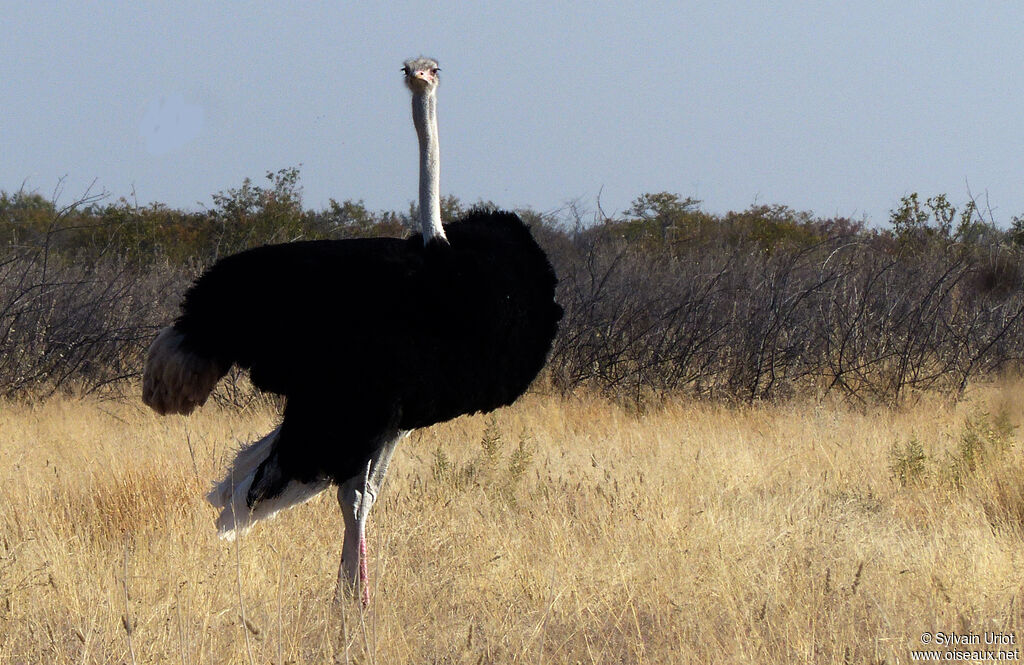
(365, 336)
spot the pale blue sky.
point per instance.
(835, 107)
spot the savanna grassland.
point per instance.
(762, 436)
(562, 529)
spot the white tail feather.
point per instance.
(247, 460)
(229, 494)
(176, 380)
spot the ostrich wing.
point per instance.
(303, 316)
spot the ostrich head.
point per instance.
(421, 75)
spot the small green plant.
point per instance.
(983, 438)
(491, 471)
(442, 465)
(518, 462)
(520, 459)
(907, 463)
(998, 430)
(490, 443)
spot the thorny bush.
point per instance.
(767, 303)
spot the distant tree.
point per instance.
(1016, 232)
(772, 227)
(938, 219)
(24, 216)
(656, 218)
(350, 217)
(663, 206)
(252, 215)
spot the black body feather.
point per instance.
(366, 336)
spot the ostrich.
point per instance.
(367, 339)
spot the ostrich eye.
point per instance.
(435, 70)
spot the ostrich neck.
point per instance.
(424, 116)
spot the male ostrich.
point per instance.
(367, 338)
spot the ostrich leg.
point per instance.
(356, 496)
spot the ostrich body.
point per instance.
(368, 339)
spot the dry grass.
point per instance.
(584, 534)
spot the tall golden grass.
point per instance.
(554, 531)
